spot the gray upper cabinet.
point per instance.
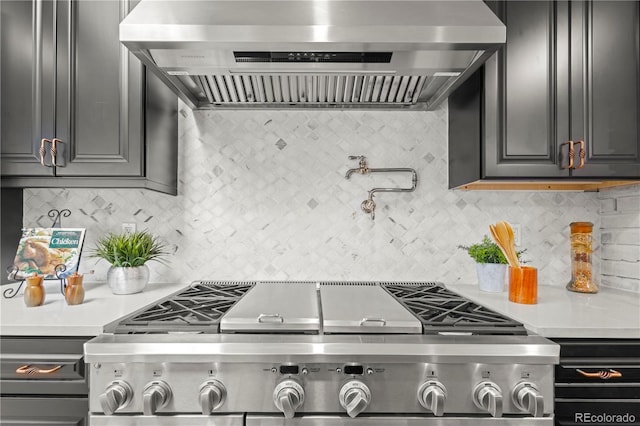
(71, 89)
(568, 76)
(27, 84)
(99, 105)
(525, 92)
(605, 83)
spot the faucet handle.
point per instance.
(362, 163)
(369, 206)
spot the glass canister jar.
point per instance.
(581, 267)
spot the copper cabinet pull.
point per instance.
(43, 152)
(582, 154)
(31, 370)
(54, 150)
(602, 374)
(571, 154)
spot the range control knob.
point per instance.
(212, 396)
(527, 397)
(432, 395)
(355, 397)
(117, 395)
(288, 396)
(156, 395)
(488, 397)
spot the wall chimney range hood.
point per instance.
(392, 54)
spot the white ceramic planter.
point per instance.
(128, 280)
(492, 277)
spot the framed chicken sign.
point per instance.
(41, 250)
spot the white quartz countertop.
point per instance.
(609, 313)
(56, 318)
(558, 313)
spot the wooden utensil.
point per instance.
(500, 234)
(505, 231)
(501, 245)
(503, 234)
(513, 242)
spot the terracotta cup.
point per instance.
(523, 285)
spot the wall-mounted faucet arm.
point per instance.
(414, 180)
(368, 205)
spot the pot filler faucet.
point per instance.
(368, 205)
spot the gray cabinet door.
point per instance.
(606, 86)
(100, 93)
(526, 92)
(27, 45)
(65, 75)
(58, 411)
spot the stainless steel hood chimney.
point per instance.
(406, 54)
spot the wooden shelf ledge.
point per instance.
(541, 185)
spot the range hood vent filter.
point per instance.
(239, 90)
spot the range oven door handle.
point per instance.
(602, 374)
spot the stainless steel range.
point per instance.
(319, 353)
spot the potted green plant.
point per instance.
(491, 265)
(128, 254)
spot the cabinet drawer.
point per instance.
(44, 411)
(43, 366)
(597, 374)
(16, 367)
(597, 413)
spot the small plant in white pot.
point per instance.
(491, 265)
(128, 254)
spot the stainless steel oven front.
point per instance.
(331, 380)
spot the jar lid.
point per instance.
(581, 227)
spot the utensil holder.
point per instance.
(523, 285)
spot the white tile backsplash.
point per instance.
(262, 195)
(620, 233)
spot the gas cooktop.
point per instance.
(330, 353)
(211, 307)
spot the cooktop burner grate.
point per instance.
(442, 311)
(196, 309)
(216, 289)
